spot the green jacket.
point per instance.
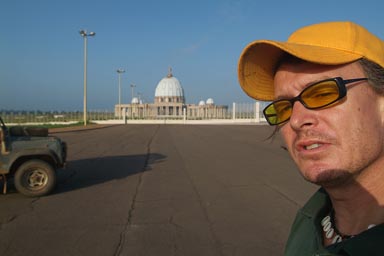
(306, 238)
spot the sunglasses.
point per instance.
(315, 96)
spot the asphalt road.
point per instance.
(161, 190)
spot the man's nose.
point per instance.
(301, 116)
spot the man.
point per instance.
(326, 84)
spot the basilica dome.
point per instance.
(169, 89)
(135, 100)
(210, 101)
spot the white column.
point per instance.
(257, 112)
(184, 115)
(234, 111)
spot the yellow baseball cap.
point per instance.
(329, 43)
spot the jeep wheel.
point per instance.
(35, 178)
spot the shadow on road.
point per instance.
(89, 172)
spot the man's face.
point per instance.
(333, 145)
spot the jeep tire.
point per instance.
(35, 178)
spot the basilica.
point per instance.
(170, 103)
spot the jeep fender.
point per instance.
(19, 158)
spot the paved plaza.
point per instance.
(161, 190)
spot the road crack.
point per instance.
(128, 223)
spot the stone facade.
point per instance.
(169, 102)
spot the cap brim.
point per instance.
(257, 63)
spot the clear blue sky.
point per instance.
(41, 51)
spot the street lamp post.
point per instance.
(84, 34)
(132, 86)
(119, 72)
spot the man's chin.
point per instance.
(330, 178)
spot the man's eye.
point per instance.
(283, 109)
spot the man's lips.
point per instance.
(305, 146)
(312, 143)
(312, 146)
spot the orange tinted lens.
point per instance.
(278, 112)
(321, 94)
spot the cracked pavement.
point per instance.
(161, 190)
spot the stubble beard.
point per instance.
(332, 178)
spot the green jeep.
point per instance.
(30, 157)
